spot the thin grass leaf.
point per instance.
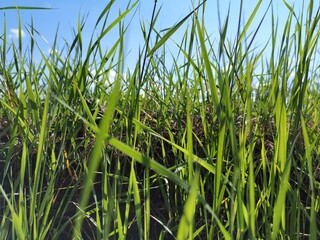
(185, 229)
(137, 200)
(24, 8)
(95, 155)
(164, 172)
(280, 201)
(172, 30)
(38, 164)
(16, 219)
(249, 21)
(309, 147)
(207, 64)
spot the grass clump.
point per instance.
(221, 144)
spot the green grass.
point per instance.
(219, 142)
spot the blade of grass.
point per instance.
(309, 147)
(16, 219)
(133, 186)
(24, 8)
(172, 30)
(37, 171)
(186, 226)
(164, 172)
(95, 155)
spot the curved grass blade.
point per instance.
(162, 170)
(172, 30)
(96, 153)
(16, 219)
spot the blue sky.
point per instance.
(65, 15)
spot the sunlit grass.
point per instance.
(219, 142)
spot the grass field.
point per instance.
(221, 144)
